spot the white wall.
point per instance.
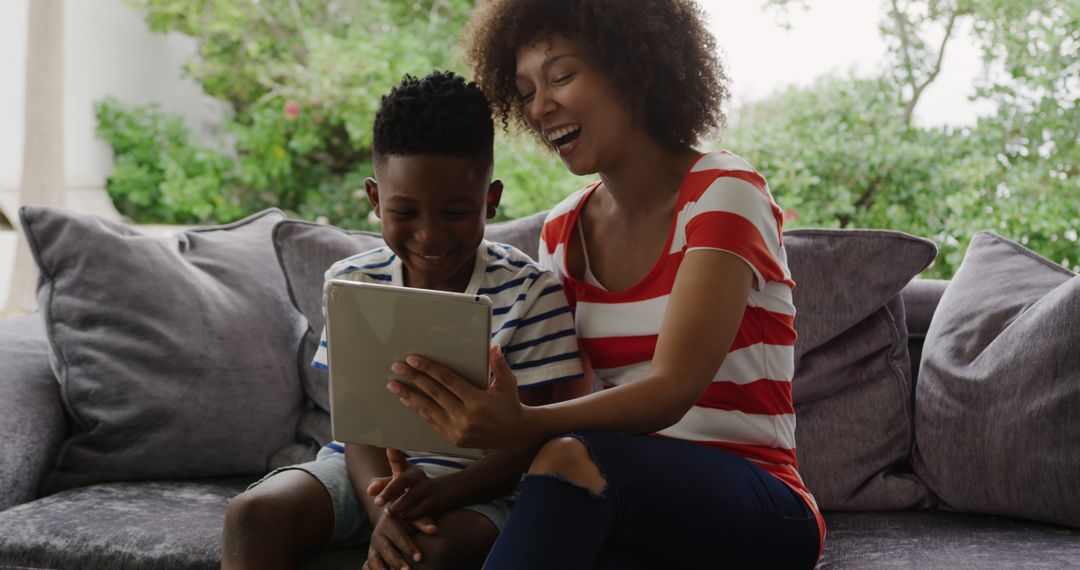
(13, 26)
(108, 50)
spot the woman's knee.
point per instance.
(569, 459)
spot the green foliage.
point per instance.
(840, 154)
(843, 152)
(534, 177)
(303, 80)
(159, 175)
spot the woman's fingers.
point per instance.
(503, 377)
(419, 402)
(445, 380)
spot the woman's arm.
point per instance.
(706, 306)
(702, 318)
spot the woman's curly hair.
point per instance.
(658, 53)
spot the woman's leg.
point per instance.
(671, 502)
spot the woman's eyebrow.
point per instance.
(549, 62)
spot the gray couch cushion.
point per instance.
(31, 419)
(998, 402)
(852, 384)
(945, 541)
(175, 355)
(159, 525)
(305, 251)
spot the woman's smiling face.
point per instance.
(571, 105)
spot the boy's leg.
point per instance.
(465, 536)
(271, 524)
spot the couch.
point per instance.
(163, 375)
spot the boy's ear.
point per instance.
(494, 194)
(372, 189)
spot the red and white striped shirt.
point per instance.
(723, 204)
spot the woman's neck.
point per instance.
(647, 177)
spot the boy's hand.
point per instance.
(391, 546)
(408, 493)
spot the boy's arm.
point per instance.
(364, 463)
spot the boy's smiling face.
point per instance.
(433, 209)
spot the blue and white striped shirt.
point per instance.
(530, 319)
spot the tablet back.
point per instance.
(368, 328)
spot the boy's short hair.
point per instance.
(440, 113)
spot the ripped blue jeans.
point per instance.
(667, 504)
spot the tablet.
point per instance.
(368, 328)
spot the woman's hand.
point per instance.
(408, 493)
(491, 418)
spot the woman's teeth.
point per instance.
(562, 132)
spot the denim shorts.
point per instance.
(351, 524)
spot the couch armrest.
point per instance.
(32, 421)
(921, 298)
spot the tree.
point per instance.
(844, 152)
(303, 81)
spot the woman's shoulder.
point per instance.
(722, 161)
(568, 204)
(713, 176)
(561, 216)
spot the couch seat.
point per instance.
(159, 525)
(932, 540)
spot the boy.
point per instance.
(432, 154)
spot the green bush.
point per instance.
(839, 154)
(303, 82)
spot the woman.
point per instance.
(675, 264)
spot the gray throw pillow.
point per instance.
(852, 384)
(997, 410)
(175, 355)
(305, 251)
